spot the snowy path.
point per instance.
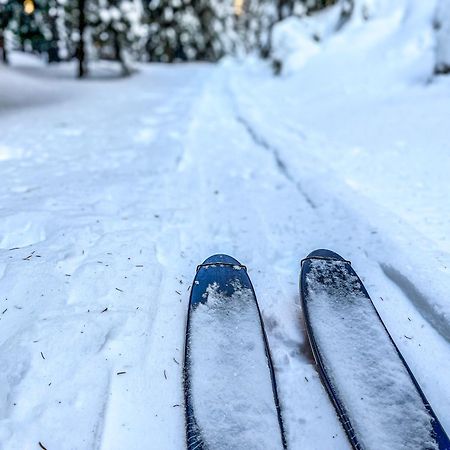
(110, 198)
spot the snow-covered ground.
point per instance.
(113, 190)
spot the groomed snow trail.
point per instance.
(111, 196)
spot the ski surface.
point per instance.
(231, 398)
(377, 398)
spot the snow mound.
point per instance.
(384, 39)
(296, 39)
(293, 44)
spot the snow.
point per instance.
(230, 380)
(381, 402)
(292, 45)
(114, 190)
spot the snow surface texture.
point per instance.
(230, 380)
(119, 188)
(363, 366)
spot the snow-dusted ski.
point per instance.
(231, 397)
(377, 398)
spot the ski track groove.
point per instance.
(262, 246)
(423, 304)
(437, 320)
(280, 164)
(100, 425)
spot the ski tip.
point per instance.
(220, 258)
(326, 254)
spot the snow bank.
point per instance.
(18, 88)
(296, 39)
(367, 24)
(292, 44)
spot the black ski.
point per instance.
(231, 396)
(376, 396)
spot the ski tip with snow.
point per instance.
(376, 396)
(230, 391)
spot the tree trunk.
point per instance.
(81, 51)
(347, 8)
(118, 54)
(3, 51)
(53, 50)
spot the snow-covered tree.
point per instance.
(114, 29)
(260, 16)
(43, 14)
(217, 28)
(189, 30)
(173, 31)
(254, 25)
(34, 25)
(6, 14)
(442, 25)
(100, 29)
(19, 21)
(85, 29)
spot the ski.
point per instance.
(378, 400)
(231, 399)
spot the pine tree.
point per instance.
(100, 29)
(173, 31)
(6, 14)
(271, 13)
(185, 30)
(217, 28)
(115, 29)
(176, 30)
(42, 14)
(255, 24)
(33, 24)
